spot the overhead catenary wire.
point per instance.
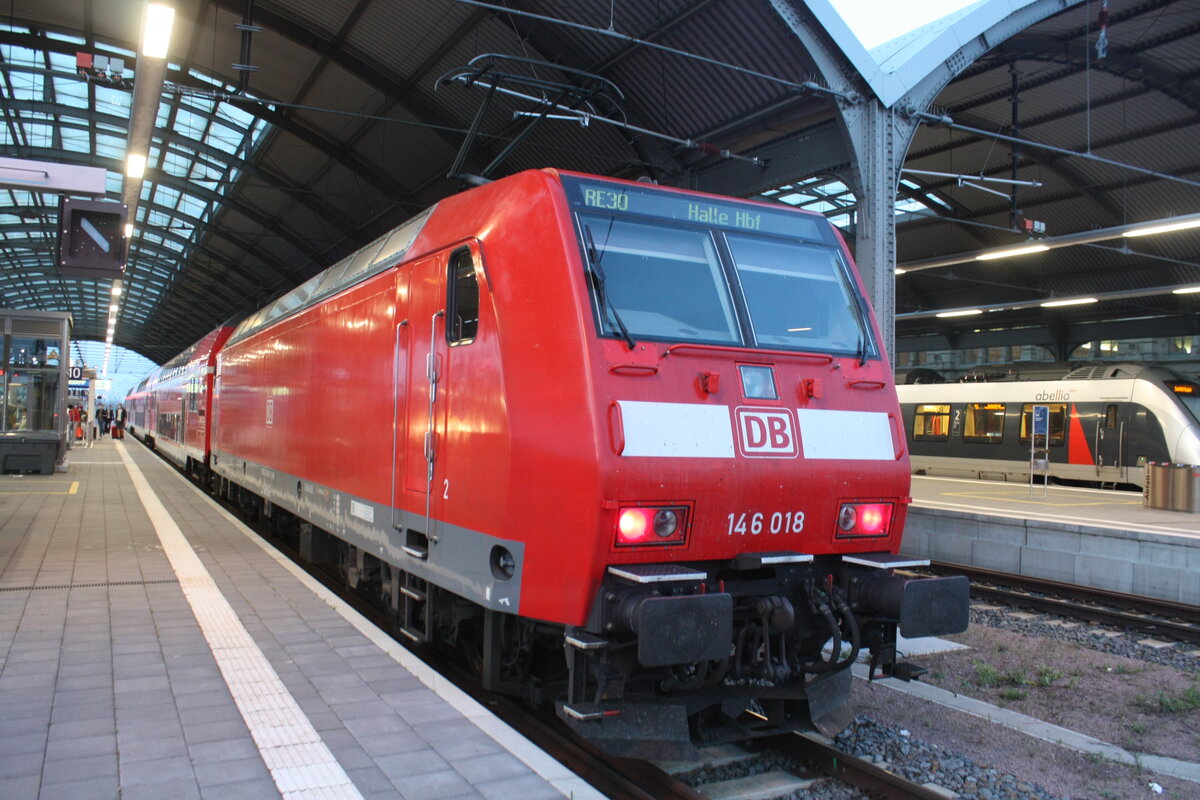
(803, 86)
(584, 118)
(943, 119)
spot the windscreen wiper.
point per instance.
(598, 280)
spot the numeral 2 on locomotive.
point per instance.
(756, 522)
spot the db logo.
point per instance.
(766, 433)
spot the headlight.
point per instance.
(650, 526)
(864, 519)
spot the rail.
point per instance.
(1179, 621)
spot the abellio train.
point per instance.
(632, 450)
(1105, 423)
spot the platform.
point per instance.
(153, 647)
(1092, 537)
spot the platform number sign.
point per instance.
(1041, 420)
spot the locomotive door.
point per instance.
(1109, 444)
(440, 306)
(420, 417)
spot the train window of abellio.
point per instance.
(463, 303)
(1110, 416)
(984, 423)
(1058, 422)
(931, 422)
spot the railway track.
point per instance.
(811, 756)
(1161, 618)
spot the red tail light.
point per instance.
(651, 526)
(865, 519)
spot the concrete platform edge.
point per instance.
(567, 782)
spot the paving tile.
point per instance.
(78, 769)
(421, 716)
(380, 746)
(257, 789)
(147, 713)
(28, 726)
(70, 729)
(243, 769)
(437, 785)
(141, 730)
(223, 750)
(16, 765)
(76, 747)
(467, 747)
(369, 779)
(215, 731)
(96, 680)
(21, 787)
(97, 788)
(528, 787)
(178, 789)
(414, 763)
(380, 725)
(151, 749)
(158, 770)
(217, 712)
(497, 766)
(203, 699)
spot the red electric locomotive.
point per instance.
(646, 428)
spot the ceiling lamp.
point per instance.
(1076, 301)
(1181, 224)
(1012, 251)
(156, 32)
(965, 312)
(135, 165)
(1186, 290)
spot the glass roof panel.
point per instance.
(177, 194)
(834, 199)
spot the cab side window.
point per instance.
(462, 305)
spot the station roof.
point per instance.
(290, 133)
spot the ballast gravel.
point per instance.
(1101, 682)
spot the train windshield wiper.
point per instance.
(598, 280)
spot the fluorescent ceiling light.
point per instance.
(966, 312)
(1165, 228)
(900, 271)
(1012, 251)
(135, 165)
(1078, 301)
(128, 230)
(156, 33)
(116, 290)
(1186, 290)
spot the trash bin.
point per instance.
(1185, 487)
(28, 451)
(1158, 486)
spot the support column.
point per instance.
(880, 139)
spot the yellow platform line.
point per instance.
(1024, 497)
(73, 490)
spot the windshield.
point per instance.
(663, 283)
(669, 266)
(798, 295)
(1192, 403)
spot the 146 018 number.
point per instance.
(756, 522)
